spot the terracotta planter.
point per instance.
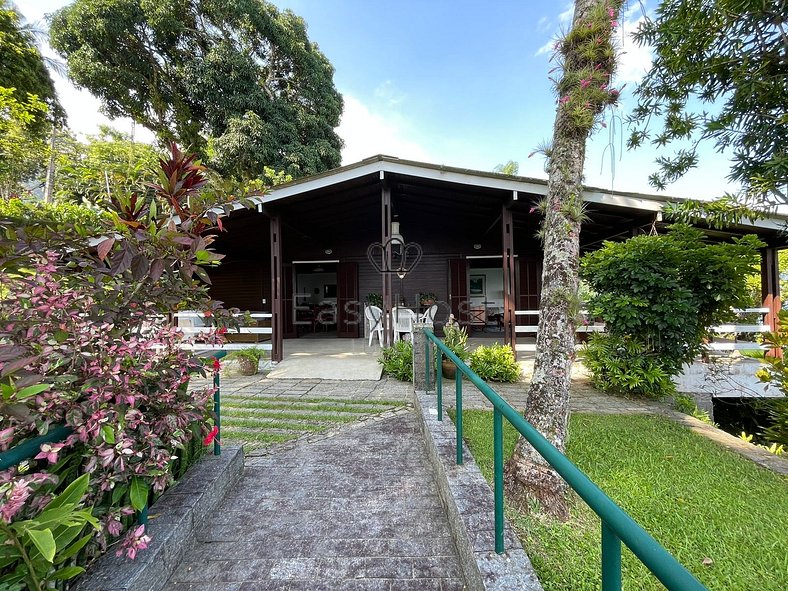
(247, 367)
(449, 369)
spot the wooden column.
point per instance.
(385, 236)
(509, 277)
(277, 324)
(770, 285)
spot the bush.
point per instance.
(495, 363)
(622, 365)
(658, 295)
(84, 342)
(397, 360)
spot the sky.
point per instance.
(455, 82)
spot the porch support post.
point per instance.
(770, 285)
(509, 276)
(385, 236)
(277, 317)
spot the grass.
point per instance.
(259, 421)
(697, 499)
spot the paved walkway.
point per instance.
(358, 510)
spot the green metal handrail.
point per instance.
(617, 525)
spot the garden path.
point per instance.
(353, 509)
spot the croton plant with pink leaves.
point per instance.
(85, 342)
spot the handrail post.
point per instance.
(217, 409)
(458, 399)
(611, 559)
(439, 382)
(427, 365)
(498, 469)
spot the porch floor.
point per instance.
(328, 359)
(345, 359)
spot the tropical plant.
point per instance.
(427, 298)
(107, 164)
(658, 296)
(456, 339)
(397, 360)
(240, 83)
(84, 343)
(624, 365)
(374, 299)
(44, 547)
(775, 373)
(495, 363)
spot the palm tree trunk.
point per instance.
(584, 85)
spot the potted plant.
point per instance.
(427, 299)
(456, 339)
(374, 299)
(247, 359)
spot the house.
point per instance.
(314, 248)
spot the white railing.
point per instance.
(193, 323)
(532, 329)
(731, 344)
(737, 329)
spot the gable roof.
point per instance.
(377, 167)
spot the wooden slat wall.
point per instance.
(241, 284)
(530, 289)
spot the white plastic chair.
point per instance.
(403, 322)
(429, 315)
(374, 316)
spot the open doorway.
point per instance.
(315, 298)
(485, 296)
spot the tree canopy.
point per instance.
(238, 82)
(107, 164)
(719, 74)
(21, 65)
(28, 103)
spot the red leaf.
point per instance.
(104, 248)
(121, 261)
(156, 269)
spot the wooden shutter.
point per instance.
(348, 313)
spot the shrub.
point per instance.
(397, 360)
(775, 372)
(623, 365)
(658, 295)
(495, 363)
(456, 339)
(84, 342)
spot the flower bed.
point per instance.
(84, 343)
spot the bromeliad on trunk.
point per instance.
(587, 62)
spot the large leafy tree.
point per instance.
(719, 74)
(239, 82)
(587, 60)
(28, 103)
(22, 66)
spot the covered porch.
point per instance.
(315, 249)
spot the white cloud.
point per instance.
(388, 93)
(546, 48)
(367, 133)
(634, 60)
(543, 25)
(567, 14)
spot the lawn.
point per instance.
(721, 516)
(260, 421)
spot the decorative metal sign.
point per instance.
(404, 257)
